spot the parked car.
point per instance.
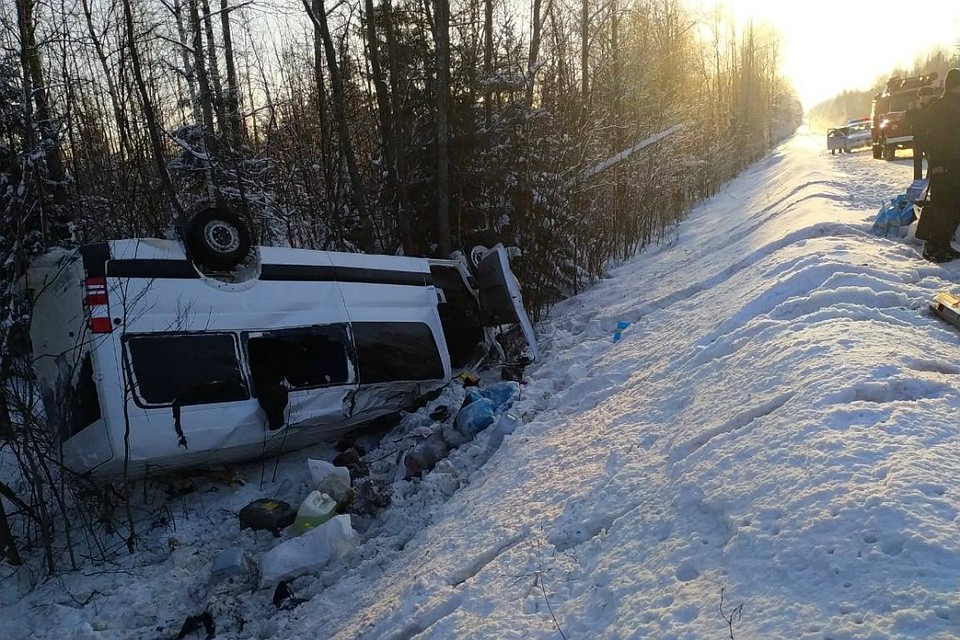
(148, 362)
(858, 134)
(837, 140)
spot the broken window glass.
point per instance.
(301, 358)
(199, 368)
(390, 351)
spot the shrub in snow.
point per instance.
(308, 553)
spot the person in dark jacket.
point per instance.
(913, 117)
(940, 140)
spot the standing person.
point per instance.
(940, 140)
(913, 116)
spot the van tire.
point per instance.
(476, 254)
(217, 239)
(476, 244)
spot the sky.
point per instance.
(830, 46)
(775, 428)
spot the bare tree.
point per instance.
(153, 126)
(442, 40)
(318, 16)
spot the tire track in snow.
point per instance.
(888, 391)
(679, 452)
(462, 575)
(420, 622)
(440, 607)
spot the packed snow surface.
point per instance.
(779, 424)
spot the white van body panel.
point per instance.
(173, 325)
(61, 342)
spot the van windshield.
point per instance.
(168, 367)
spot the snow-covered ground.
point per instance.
(778, 424)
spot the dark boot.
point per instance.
(939, 253)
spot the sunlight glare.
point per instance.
(832, 46)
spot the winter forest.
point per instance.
(379, 126)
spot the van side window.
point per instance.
(301, 358)
(388, 351)
(197, 368)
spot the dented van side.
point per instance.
(146, 364)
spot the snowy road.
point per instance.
(778, 424)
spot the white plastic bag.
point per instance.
(308, 553)
(330, 479)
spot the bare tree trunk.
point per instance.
(211, 148)
(253, 117)
(153, 127)
(488, 59)
(398, 138)
(534, 53)
(232, 96)
(213, 72)
(328, 174)
(617, 106)
(385, 112)
(442, 37)
(584, 50)
(123, 128)
(188, 67)
(8, 545)
(319, 19)
(56, 221)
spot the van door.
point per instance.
(303, 376)
(194, 380)
(500, 299)
(459, 312)
(398, 362)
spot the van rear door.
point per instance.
(500, 299)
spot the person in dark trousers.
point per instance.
(913, 115)
(940, 140)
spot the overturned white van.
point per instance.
(147, 363)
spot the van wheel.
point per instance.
(477, 244)
(475, 255)
(218, 238)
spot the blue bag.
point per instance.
(891, 217)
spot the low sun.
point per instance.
(830, 46)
